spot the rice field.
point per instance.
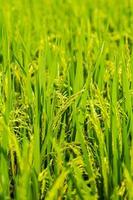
(66, 100)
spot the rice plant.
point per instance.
(66, 99)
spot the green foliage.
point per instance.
(66, 99)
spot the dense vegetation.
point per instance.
(66, 99)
